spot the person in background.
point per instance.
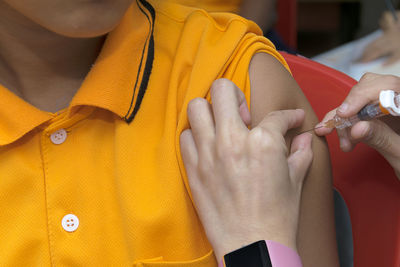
(387, 45)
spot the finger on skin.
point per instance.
(300, 157)
(201, 122)
(283, 120)
(226, 100)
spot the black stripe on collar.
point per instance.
(148, 65)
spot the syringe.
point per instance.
(389, 103)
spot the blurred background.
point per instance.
(325, 24)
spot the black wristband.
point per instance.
(253, 255)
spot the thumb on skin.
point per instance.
(300, 157)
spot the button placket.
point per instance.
(63, 222)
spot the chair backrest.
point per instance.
(286, 24)
(364, 178)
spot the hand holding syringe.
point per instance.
(389, 103)
(355, 120)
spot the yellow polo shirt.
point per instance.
(102, 182)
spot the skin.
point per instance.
(33, 33)
(316, 223)
(242, 182)
(381, 135)
(46, 27)
(386, 45)
(387, 20)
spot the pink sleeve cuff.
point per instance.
(280, 255)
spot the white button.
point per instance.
(58, 137)
(70, 222)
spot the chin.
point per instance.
(86, 26)
(83, 30)
(71, 18)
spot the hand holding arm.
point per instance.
(245, 185)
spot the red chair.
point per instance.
(286, 24)
(364, 179)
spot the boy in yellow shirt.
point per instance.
(93, 101)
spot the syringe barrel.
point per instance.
(370, 112)
(341, 123)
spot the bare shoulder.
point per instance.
(273, 88)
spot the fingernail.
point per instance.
(320, 125)
(343, 107)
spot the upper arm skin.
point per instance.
(273, 88)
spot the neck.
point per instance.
(42, 67)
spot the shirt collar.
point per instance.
(116, 82)
(120, 74)
(17, 117)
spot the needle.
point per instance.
(311, 129)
